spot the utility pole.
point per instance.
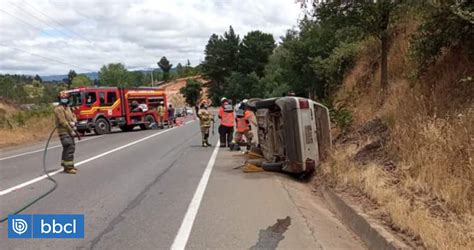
(152, 77)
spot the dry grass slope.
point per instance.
(34, 129)
(421, 173)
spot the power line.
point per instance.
(40, 20)
(19, 19)
(57, 22)
(48, 58)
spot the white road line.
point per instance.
(182, 237)
(41, 150)
(24, 184)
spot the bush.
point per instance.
(339, 114)
(445, 26)
(23, 117)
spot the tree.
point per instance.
(191, 91)
(38, 78)
(81, 80)
(189, 70)
(7, 86)
(114, 74)
(379, 13)
(137, 78)
(231, 43)
(165, 66)
(448, 24)
(221, 55)
(254, 51)
(70, 77)
(50, 93)
(274, 82)
(180, 70)
(242, 86)
(213, 65)
(371, 17)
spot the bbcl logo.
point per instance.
(57, 228)
(46, 226)
(19, 226)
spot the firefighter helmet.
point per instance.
(223, 99)
(63, 94)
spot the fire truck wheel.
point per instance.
(149, 121)
(101, 126)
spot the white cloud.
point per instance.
(91, 33)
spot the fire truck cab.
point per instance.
(102, 108)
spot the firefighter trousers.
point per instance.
(205, 134)
(69, 147)
(225, 135)
(161, 121)
(239, 136)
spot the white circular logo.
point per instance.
(19, 226)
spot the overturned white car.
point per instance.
(293, 133)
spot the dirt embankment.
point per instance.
(172, 89)
(409, 154)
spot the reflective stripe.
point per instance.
(68, 163)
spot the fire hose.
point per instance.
(55, 184)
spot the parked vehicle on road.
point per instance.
(179, 112)
(293, 133)
(189, 111)
(100, 109)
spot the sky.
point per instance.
(51, 37)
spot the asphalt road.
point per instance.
(158, 189)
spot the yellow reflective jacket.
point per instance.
(63, 117)
(205, 118)
(161, 111)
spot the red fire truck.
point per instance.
(102, 108)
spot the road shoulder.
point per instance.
(263, 210)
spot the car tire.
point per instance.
(101, 126)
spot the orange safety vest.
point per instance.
(243, 123)
(227, 118)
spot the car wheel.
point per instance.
(101, 126)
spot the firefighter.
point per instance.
(205, 120)
(243, 127)
(161, 114)
(226, 128)
(170, 116)
(65, 124)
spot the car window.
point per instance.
(111, 98)
(91, 98)
(102, 98)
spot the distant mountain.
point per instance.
(91, 75)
